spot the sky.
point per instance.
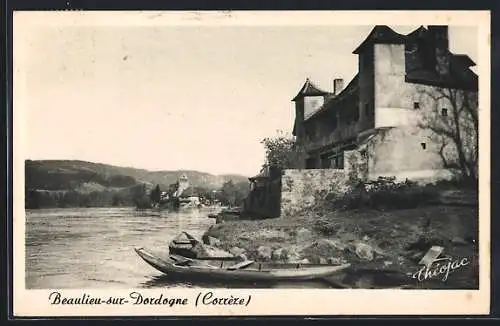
(179, 97)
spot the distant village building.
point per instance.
(182, 185)
(186, 194)
(401, 80)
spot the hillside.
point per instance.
(67, 183)
(69, 175)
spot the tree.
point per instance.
(228, 193)
(452, 118)
(281, 151)
(117, 200)
(155, 195)
(232, 194)
(140, 197)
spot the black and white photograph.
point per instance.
(202, 150)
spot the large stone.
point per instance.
(320, 250)
(211, 241)
(364, 251)
(303, 235)
(199, 250)
(330, 243)
(211, 251)
(264, 253)
(280, 254)
(237, 251)
(293, 255)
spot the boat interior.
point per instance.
(224, 264)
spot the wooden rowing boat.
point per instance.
(243, 270)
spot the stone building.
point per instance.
(397, 116)
(410, 112)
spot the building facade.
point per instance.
(410, 111)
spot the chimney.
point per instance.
(439, 35)
(338, 85)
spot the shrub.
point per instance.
(457, 183)
(386, 194)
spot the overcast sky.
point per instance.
(174, 97)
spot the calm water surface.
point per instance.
(94, 247)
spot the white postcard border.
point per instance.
(271, 301)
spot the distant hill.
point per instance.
(69, 183)
(72, 174)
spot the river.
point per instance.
(94, 247)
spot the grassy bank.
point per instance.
(378, 244)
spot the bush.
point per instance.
(386, 194)
(457, 183)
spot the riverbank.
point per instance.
(383, 247)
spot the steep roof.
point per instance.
(349, 90)
(465, 60)
(381, 34)
(460, 75)
(419, 32)
(309, 89)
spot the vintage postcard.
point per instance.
(251, 163)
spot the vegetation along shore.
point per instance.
(382, 228)
(384, 243)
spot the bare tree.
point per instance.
(452, 118)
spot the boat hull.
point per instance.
(255, 272)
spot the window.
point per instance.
(337, 161)
(416, 105)
(444, 112)
(367, 109)
(424, 145)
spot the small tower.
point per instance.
(307, 101)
